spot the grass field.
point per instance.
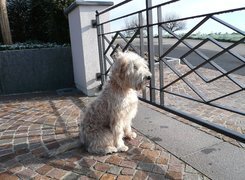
(225, 37)
(218, 36)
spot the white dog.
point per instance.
(108, 119)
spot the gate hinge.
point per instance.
(98, 76)
(94, 23)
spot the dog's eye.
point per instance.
(135, 67)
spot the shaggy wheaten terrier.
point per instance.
(108, 119)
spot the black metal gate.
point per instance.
(201, 80)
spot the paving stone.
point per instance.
(74, 158)
(174, 175)
(140, 175)
(102, 167)
(147, 145)
(137, 157)
(84, 178)
(6, 157)
(153, 176)
(124, 177)
(69, 166)
(86, 162)
(5, 141)
(150, 155)
(128, 164)
(8, 176)
(26, 173)
(2, 169)
(39, 177)
(136, 151)
(115, 170)
(145, 166)
(71, 176)
(108, 177)
(53, 145)
(22, 140)
(59, 163)
(128, 171)
(56, 173)
(21, 151)
(15, 168)
(95, 174)
(6, 151)
(160, 169)
(20, 146)
(24, 156)
(101, 158)
(81, 170)
(41, 151)
(114, 159)
(33, 146)
(175, 168)
(162, 160)
(44, 169)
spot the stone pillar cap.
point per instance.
(86, 3)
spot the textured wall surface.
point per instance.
(35, 70)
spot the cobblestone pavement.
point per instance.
(32, 126)
(212, 90)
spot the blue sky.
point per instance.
(185, 8)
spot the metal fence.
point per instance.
(187, 79)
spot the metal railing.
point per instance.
(158, 56)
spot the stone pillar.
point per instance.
(84, 43)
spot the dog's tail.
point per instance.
(75, 143)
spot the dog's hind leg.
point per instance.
(101, 142)
(102, 149)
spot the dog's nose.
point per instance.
(148, 77)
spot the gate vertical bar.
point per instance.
(101, 57)
(103, 51)
(142, 48)
(150, 48)
(160, 52)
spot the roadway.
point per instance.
(226, 61)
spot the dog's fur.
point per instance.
(108, 119)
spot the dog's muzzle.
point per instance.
(148, 77)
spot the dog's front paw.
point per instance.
(132, 135)
(122, 148)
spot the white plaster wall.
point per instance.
(77, 50)
(84, 44)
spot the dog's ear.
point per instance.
(117, 52)
(123, 68)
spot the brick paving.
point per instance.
(30, 127)
(215, 89)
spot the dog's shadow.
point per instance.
(34, 155)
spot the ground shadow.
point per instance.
(25, 153)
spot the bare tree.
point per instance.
(4, 23)
(175, 25)
(133, 23)
(130, 24)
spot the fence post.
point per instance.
(83, 35)
(160, 52)
(150, 48)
